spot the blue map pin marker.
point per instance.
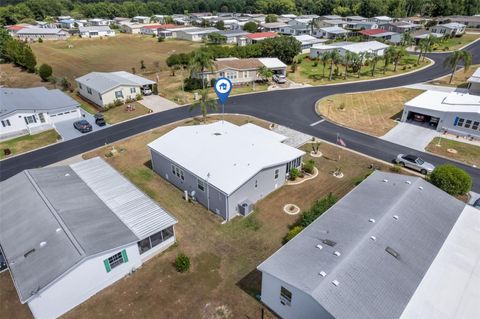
(223, 87)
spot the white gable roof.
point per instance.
(446, 102)
(223, 153)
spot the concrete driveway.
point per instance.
(411, 135)
(157, 103)
(68, 132)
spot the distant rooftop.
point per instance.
(261, 35)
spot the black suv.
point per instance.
(99, 120)
(83, 126)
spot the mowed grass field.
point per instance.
(372, 112)
(223, 282)
(463, 152)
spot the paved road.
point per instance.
(292, 108)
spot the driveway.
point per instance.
(411, 135)
(157, 103)
(68, 132)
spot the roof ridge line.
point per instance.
(55, 214)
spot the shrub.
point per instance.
(451, 179)
(155, 89)
(161, 39)
(294, 174)
(309, 166)
(138, 97)
(45, 71)
(191, 84)
(396, 168)
(212, 82)
(40, 40)
(129, 100)
(318, 208)
(118, 102)
(292, 233)
(182, 263)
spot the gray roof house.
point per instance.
(394, 247)
(217, 167)
(77, 222)
(103, 88)
(34, 33)
(31, 110)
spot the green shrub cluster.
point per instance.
(294, 173)
(451, 179)
(182, 263)
(309, 166)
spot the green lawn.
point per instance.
(312, 72)
(28, 142)
(467, 153)
(452, 44)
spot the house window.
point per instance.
(115, 260)
(89, 90)
(154, 240)
(118, 94)
(100, 96)
(178, 172)
(5, 123)
(132, 90)
(468, 123)
(42, 117)
(285, 296)
(460, 122)
(256, 183)
(80, 86)
(276, 173)
(30, 119)
(474, 126)
(200, 185)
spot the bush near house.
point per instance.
(292, 233)
(318, 208)
(451, 179)
(308, 167)
(45, 71)
(182, 263)
(294, 173)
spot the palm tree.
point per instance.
(324, 57)
(204, 104)
(201, 62)
(398, 54)
(374, 58)
(455, 58)
(334, 56)
(153, 19)
(425, 46)
(388, 57)
(407, 38)
(348, 57)
(357, 63)
(264, 73)
(312, 24)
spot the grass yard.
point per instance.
(372, 112)
(27, 143)
(455, 43)
(467, 153)
(222, 281)
(311, 71)
(16, 77)
(459, 78)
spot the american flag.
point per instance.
(340, 141)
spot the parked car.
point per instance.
(476, 204)
(415, 163)
(99, 120)
(83, 126)
(280, 78)
(146, 91)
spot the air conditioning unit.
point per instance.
(245, 207)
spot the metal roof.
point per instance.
(475, 78)
(405, 213)
(136, 210)
(105, 81)
(446, 102)
(94, 28)
(34, 99)
(33, 30)
(221, 152)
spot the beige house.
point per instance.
(105, 88)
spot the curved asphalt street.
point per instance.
(293, 108)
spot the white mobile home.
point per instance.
(217, 167)
(32, 110)
(79, 229)
(410, 252)
(373, 47)
(96, 31)
(104, 88)
(33, 34)
(452, 29)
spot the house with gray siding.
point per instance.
(394, 247)
(225, 167)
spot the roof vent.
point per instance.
(319, 246)
(217, 134)
(322, 273)
(31, 251)
(329, 242)
(337, 253)
(385, 180)
(391, 251)
(67, 174)
(43, 244)
(58, 230)
(335, 282)
(373, 238)
(420, 187)
(371, 220)
(408, 182)
(395, 217)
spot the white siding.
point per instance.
(80, 284)
(109, 96)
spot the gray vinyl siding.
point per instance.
(266, 183)
(163, 167)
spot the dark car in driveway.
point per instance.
(99, 119)
(83, 126)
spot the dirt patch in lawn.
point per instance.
(463, 152)
(373, 112)
(223, 281)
